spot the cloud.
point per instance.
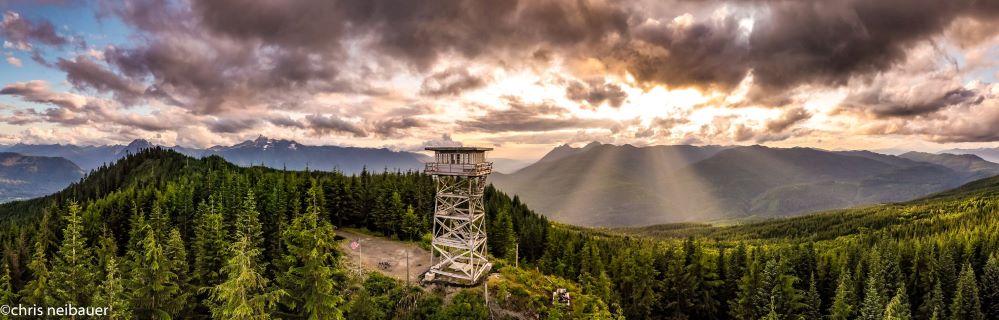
(230, 125)
(391, 127)
(521, 116)
(451, 82)
(84, 74)
(14, 61)
(787, 120)
(444, 141)
(595, 93)
(38, 91)
(964, 123)
(329, 124)
(21, 32)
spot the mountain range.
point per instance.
(33, 170)
(23, 177)
(989, 154)
(607, 185)
(275, 153)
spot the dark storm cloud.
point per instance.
(228, 125)
(286, 121)
(16, 29)
(451, 82)
(792, 42)
(391, 127)
(328, 124)
(596, 93)
(84, 73)
(521, 116)
(209, 59)
(787, 120)
(880, 105)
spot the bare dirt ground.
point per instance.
(385, 256)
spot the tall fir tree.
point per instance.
(873, 305)
(209, 245)
(152, 285)
(934, 305)
(73, 270)
(990, 288)
(502, 237)
(248, 224)
(751, 300)
(411, 226)
(111, 292)
(38, 291)
(7, 295)
(812, 302)
(843, 302)
(245, 294)
(898, 308)
(176, 254)
(314, 271)
(966, 304)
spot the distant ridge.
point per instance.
(989, 154)
(608, 185)
(23, 177)
(275, 153)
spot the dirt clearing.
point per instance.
(384, 255)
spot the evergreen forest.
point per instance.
(160, 235)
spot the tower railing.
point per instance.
(459, 169)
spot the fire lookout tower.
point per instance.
(459, 244)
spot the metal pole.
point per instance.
(407, 267)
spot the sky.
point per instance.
(519, 76)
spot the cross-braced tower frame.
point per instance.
(459, 243)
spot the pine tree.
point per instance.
(934, 304)
(411, 226)
(779, 286)
(248, 224)
(990, 288)
(152, 285)
(107, 248)
(812, 301)
(111, 293)
(209, 245)
(898, 308)
(176, 255)
(159, 221)
(313, 265)
(501, 235)
(873, 306)
(245, 293)
(842, 307)
(966, 305)
(749, 303)
(7, 295)
(72, 270)
(38, 290)
(136, 232)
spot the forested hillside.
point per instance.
(165, 234)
